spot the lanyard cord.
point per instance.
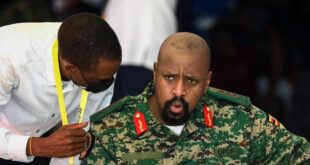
(61, 100)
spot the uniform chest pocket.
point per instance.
(142, 156)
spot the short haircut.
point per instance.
(84, 38)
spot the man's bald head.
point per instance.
(184, 43)
(181, 76)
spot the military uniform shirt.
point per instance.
(241, 134)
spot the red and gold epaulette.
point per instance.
(208, 117)
(140, 123)
(273, 120)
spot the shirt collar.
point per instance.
(195, 122)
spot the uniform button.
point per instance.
(38, 130)
(53, 114)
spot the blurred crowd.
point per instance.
(259, 47)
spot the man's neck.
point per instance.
(154, 108)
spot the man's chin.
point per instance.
(175, 119)
(175, 112)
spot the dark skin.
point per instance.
(67, 141)
(70, 140)
(182, 70)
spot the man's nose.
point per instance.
(179, 89)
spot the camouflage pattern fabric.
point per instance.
(241, 134)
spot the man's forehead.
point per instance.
(181, 48)
(186, 66)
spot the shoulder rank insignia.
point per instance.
(208, 116)
(273, 120)
(140, 123)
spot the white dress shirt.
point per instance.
(28, 99)
(141, 26)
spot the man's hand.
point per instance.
(67, 141)
(89, 146)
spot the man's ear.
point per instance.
(155, 67)
(208, 80)
(69, 68)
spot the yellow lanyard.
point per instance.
(61, 100)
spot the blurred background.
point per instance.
(259, 47)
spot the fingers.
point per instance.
(72, 153)
(77, 133)
(78, 125)
(79, 140)
(90, 144)
(76, 129)
(67, 141)
(83, 155)
(77, 147)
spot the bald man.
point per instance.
(179, 119)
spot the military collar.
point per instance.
(195, 122)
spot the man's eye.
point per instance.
(192, 81)
(169, 77)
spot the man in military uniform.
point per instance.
(179, 119)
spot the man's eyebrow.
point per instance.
(192, 76)
(168, 72)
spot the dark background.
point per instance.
(259, 47)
